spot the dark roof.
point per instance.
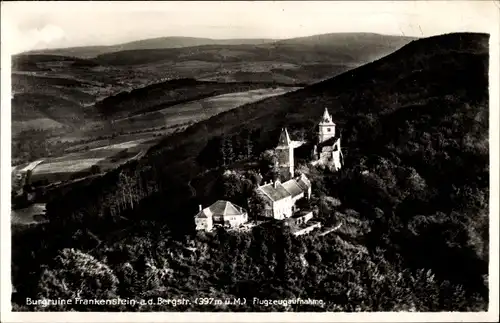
(274, 192)
(201, 215)
(284, 139)
(329, 142)
(304, 182)
(293, 187)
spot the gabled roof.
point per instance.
(293, 187)
(274, 192)
(221, 208)
(284, 139)
(304, 182)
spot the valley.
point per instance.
(108, 144)
(72, 101)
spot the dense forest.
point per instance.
(413, 198)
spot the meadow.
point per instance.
(195, 111)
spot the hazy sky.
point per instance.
(37, 25)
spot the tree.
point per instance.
(95, 169)
(77, 275)
(227, 151)
(29, 177)
(256, 205)
(269, 163)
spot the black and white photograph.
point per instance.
(250, 158)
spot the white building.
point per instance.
(278, 200)
(281, 198)
(221, 212)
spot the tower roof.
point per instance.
(284, 138)
(326, 117)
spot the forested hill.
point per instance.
(415, 133)
(449, 68)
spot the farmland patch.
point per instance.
(69, 166)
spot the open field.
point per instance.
(39, 123)
(136, 138)
(196, 111)
(79, 164)
(120, 146)
(92, 154)
(29, 214)
(69, 166)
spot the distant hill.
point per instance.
(369, 46)
(297, 60)
(95, 82)
(153, 43)
(345, 48)
(301, 60)
(322, 40)
(30, 61)
(336, 39)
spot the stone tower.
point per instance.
(284, 153)
(328, 151)
(326, 127)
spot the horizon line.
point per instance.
(219, 39)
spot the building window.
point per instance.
(328, 129)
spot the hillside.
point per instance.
(369, 46)
(30, 107)
(416, 121)
(161, 95)
(152, 43)
(334, 40)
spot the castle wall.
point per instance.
(307, 229)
